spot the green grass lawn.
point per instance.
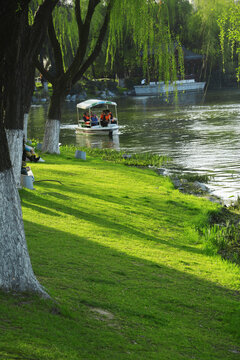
(118, 250)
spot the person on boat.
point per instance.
(109, 117)
(94, 119)
(104, 118)
(86, 118)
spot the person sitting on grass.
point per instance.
(28, 153)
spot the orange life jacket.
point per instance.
(107, 117)
(86, 117)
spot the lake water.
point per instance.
(200, 134)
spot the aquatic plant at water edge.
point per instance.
(143, 159)
(203, 178)
(223, 240)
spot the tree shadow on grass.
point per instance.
(150, 300)
(104, 222)
(41, 209)
(181, 210)
(83, 188)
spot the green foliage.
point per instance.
(203, 31)
(130, 82)
(229, 23)
(164, 28)
(66, 32)
(147, 30)
(121, 90)
(224, 240)
(203, 178)
(236, 204)
(30, 16)
(33, 142)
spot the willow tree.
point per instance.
(229, 25)
(144, 19)
(203, 31)
(20, 45)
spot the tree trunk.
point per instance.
(16, 272)
(25, 125)
(52, 127)
(15, 146)
(51, 137)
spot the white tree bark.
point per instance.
(51, 137)
(25, 125)
(15, 145)
(16, 272)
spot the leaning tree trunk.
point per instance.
(16, 272)
(52, 126)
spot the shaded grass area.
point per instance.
(118, 250)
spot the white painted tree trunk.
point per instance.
(25, 125)
(16, 272)
(15, 145)
(51, 137)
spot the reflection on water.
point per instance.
(200, 134)
(102, 142)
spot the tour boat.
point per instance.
(97, 128)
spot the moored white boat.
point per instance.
(97, 127)
(157, 88)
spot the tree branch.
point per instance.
(91, 8)
(83, 41)
(78, 17)
(56, 48)
(97, 47)
(40, 25)
(44, 72)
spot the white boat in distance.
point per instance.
(98, 127)
(158, 88)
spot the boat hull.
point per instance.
(98, 130)
(162, 88)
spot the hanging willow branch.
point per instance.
(148, 22)
(229, 25)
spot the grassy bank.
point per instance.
(117, 249)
